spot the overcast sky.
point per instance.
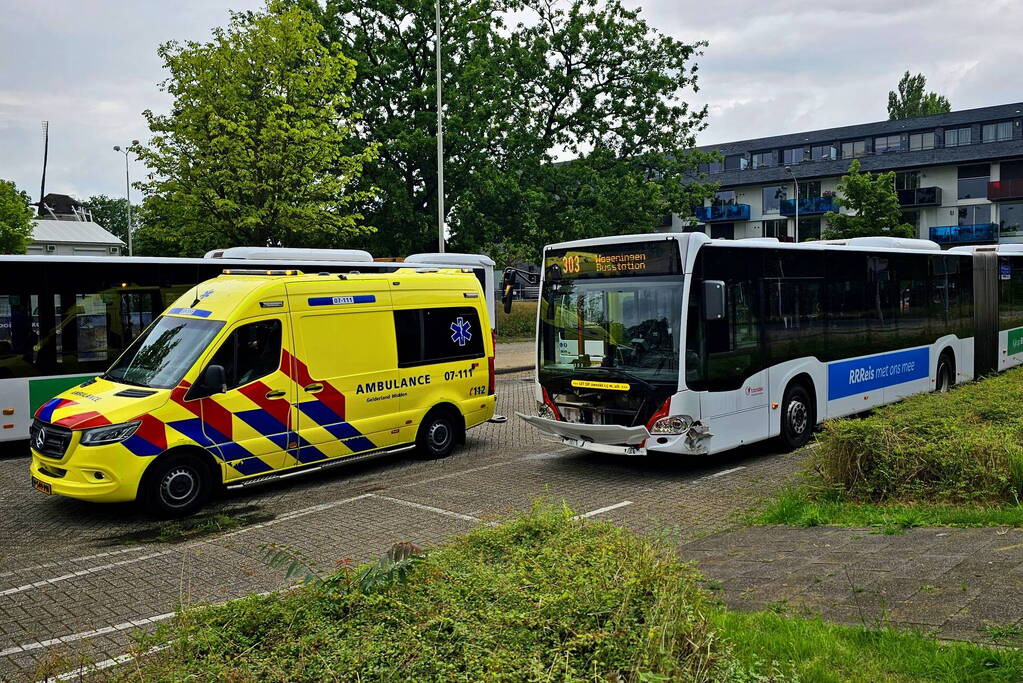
(771, 68)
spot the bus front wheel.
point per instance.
(798, 417)
(178, 485)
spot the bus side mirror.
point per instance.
(509, 286)
(214, 380)
(713, 300)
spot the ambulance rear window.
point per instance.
(437, 335)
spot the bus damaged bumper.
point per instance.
(619, 440)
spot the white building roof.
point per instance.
(73, 231)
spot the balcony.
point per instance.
(965, 234)
(921, 196)
(808, 206)
(722, 212)
(1001, 190)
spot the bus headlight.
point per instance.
(543, 410)
(99, 436)
(673, 424)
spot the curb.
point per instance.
(508, 371)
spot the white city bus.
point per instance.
(683, 344)
(64, 319)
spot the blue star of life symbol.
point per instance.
(205, 294)
(460, 331)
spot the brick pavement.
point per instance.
(951, 583)
(61, 577)
(514, 356)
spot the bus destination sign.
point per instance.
(614, 260)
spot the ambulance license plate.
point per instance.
(41, 486)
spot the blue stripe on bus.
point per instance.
(851, 377)
(196, 312)
(342, 300)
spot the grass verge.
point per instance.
(540, 597)
(519, 325)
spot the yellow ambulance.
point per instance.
(260, 374)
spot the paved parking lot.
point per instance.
(77, 579)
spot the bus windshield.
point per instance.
(629, 328)
(162, 355)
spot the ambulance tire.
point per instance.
(177, 485)
(438, 434)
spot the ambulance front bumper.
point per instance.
(90, 476)
(614, 439)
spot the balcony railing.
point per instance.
(1000, 190)
(921, 196)
(722, 212)
(963, 234)
(808, 205)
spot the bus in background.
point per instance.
(683, 344)
(64, 319)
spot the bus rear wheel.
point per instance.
(798, 417)
(178, 485)
(944, 376)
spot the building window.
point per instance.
(724, 197)
(735, 162)
(978, 214)
(773, 194)
(809, 189)
(887, 144)
(823, 153)
(907, 180)
(778, 229)
(796, 155)
(973, 181)
(996, 132)
(921, 141)
(1010, 219)
(912, 217)
(765, 159)
(715, 167)
(851, 150)
(957, 137)
(809, 228)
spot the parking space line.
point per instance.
(88, 669)
(83, 635)
(428, 508)
(600, 511)
(720, 474)
(73, 560)
(80, 572)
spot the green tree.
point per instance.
(576, 80)
(912, 100)
(874, 203)
(112, 214)
(254, 150)
(15, 219)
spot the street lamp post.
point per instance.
(127, 190)
(795, 183)
(440, 145)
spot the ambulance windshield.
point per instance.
(161, 356)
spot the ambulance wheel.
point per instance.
(178, 485)
(798, 417)
(437, 435)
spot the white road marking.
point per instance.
(600, 511)
(88, 669)
(429, 508)
(721, 473)
(82, 635)
(80, 572)
(73, 560)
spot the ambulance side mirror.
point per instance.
(214, 380)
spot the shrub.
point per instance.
(520, 323)
(541, 597)
(963, 446)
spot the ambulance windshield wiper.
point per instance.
(120, 380)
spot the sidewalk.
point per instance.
(959, 584)
(515, 356)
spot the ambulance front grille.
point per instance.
(54, 442)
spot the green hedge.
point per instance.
(961, 446)
(519, 324)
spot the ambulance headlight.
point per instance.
(674, 424)
(99, 436)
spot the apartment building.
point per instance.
(959, 177)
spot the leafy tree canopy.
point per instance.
(15, 219)
(874, 203)
(912, 100)
(579, 80)
(256, 149)
(112, 214)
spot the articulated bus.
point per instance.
(683, 344)
(65, 319)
